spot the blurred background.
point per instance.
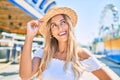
(98, 29)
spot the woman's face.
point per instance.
(59, 28)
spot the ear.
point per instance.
(51, 36)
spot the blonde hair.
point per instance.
(51, 47)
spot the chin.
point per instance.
(63, 40)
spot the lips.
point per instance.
(62, 33)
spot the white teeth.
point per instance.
(62, 33)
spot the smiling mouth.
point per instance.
(62, 33)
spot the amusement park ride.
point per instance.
(110, 32)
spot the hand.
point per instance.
(33, 27)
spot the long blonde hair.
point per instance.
(51, 47)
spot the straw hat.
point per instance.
(55, 11)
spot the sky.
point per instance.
(89, 12)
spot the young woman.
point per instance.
(61, 58)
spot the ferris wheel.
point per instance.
(109, 19)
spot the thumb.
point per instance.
(40, 23)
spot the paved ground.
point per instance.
(9, 72)
(111, 64)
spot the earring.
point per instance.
(51, 36)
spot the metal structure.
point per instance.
(109, 32)
(109, 21)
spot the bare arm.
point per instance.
(101, 74)
(29, 67)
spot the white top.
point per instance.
(55, 70)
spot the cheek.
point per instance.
(66, 28)
(54, 33)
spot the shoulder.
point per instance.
(88, 60)
(84, 53)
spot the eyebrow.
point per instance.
(55, 23)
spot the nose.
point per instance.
(60, 28)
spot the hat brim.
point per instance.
(55, 11)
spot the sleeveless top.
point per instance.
(55, 69)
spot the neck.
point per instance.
(62, 47)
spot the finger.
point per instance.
(37, 23)
(36, 29)
(32, 22)
(40, 22)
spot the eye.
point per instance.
(53, 26)
(63, 22)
